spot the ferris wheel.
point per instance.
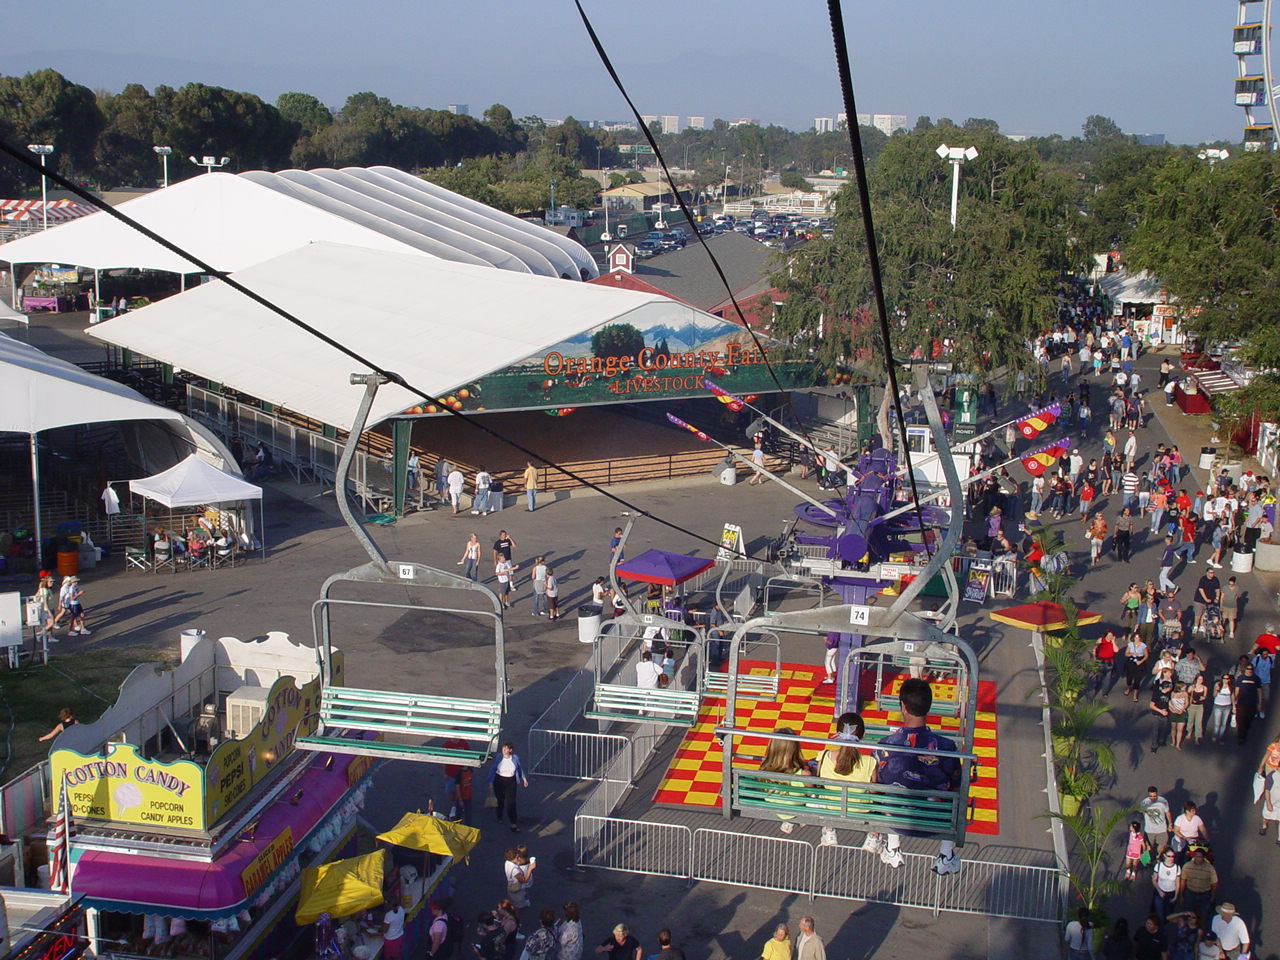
(1255, 89)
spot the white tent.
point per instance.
(231, 221)
(8, 313)
(438, 324)
(194, 483)
(1125, 287)
(39, 392)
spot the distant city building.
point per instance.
(617, 125)
(864, 119)
(743, 122)
(1151, 139)
(648, 118)
(824, 124)
(841, 118)
(1017, 137)
(670, 124)
(461, 109)
(696, 123)
(888, 123)
(552, 123)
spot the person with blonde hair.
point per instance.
(783, 756)
(777, 947)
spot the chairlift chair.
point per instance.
(348, 717)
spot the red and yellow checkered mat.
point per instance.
(805, 704)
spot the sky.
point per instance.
(1035, 67)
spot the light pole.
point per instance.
(163, 154)
(210, 164)
(1213, 155)
(956, 156)
(43, 150)
(552, 211)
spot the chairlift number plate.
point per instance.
(648, 618)
(859, 615)
(406, 571)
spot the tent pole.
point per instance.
(97, 294)
(35, 492)
(262, 522)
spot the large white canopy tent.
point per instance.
(438, 324)
(194, 483)
(232, 221)
(8, 313)
(39, 392)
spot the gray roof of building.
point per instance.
(689, 276)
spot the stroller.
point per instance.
(1212, 624)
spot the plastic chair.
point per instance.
(136, 558)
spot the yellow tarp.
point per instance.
(422, 831)
(340, 888)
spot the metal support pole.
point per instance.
(400, 432)
(35, 494)
(955, 190)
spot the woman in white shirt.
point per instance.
(505, 776)
(503, 570)
(553, 595)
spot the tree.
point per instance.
(983, 289)
(1212, 237)
(306, 111)
(981, 123)
(46, 107)
(790, 178)
(1100, 129)
(923, 123)
(617, 340)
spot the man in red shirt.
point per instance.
(1182, 501)
(1187, 549)
(457, 781)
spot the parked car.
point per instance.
(648, 248)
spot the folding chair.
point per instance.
(164, 558)
(136, 558)
(224, 556)
(197, 558)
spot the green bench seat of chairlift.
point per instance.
(407, 714)
(612, 701)
(873, 806)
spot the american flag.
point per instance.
(64, 829)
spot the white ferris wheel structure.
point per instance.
(1255, 89)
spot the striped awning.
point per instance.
(58, 211)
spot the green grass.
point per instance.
(87, 682)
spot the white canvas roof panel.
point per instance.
(438, 324)
(39, 392)
(232, 221)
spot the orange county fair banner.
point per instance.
(620, 362)
(124, 787)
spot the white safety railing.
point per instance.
(1004, 577)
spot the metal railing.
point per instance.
(1004, 577)
(1020, 891)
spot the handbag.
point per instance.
(491, 802)
(514, 886)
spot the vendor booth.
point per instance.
(194, 813)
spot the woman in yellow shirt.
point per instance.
(777, 947)
(783, 756)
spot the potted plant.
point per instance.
(1089, 867)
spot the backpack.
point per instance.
(455, 931)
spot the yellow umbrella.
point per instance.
(422, 831)
(340, 888)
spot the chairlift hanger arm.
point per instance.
(776, 479)
(964, 484)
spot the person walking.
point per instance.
(539, 581)
(778, 946)
(553, 595)
(531, 486)
(1198, 695)
(504, 570)
(1104, 676)
(1199, 883)
(1079, 936)
(757, 463)
(455, 482)
(505, 777)
(1231, 606)
(809, 945)
(620, 945)
(1161, 690)
(1124, 535)
(1167, 558)
(1247, 695)
(1233, 936)
(1157, 820)
(75, 607)
(1264, 662)
(1136, 655)
(1166, 884)
(471, 558)
(1179, 703)
(483, 484)
(569, 933)
(1224, 697)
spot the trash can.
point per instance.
(1207, 455)
(69, 562)
(588, 624)
(1241, 561)
(725, 472)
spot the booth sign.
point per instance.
(124, 787)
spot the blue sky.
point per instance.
(1035, 67)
